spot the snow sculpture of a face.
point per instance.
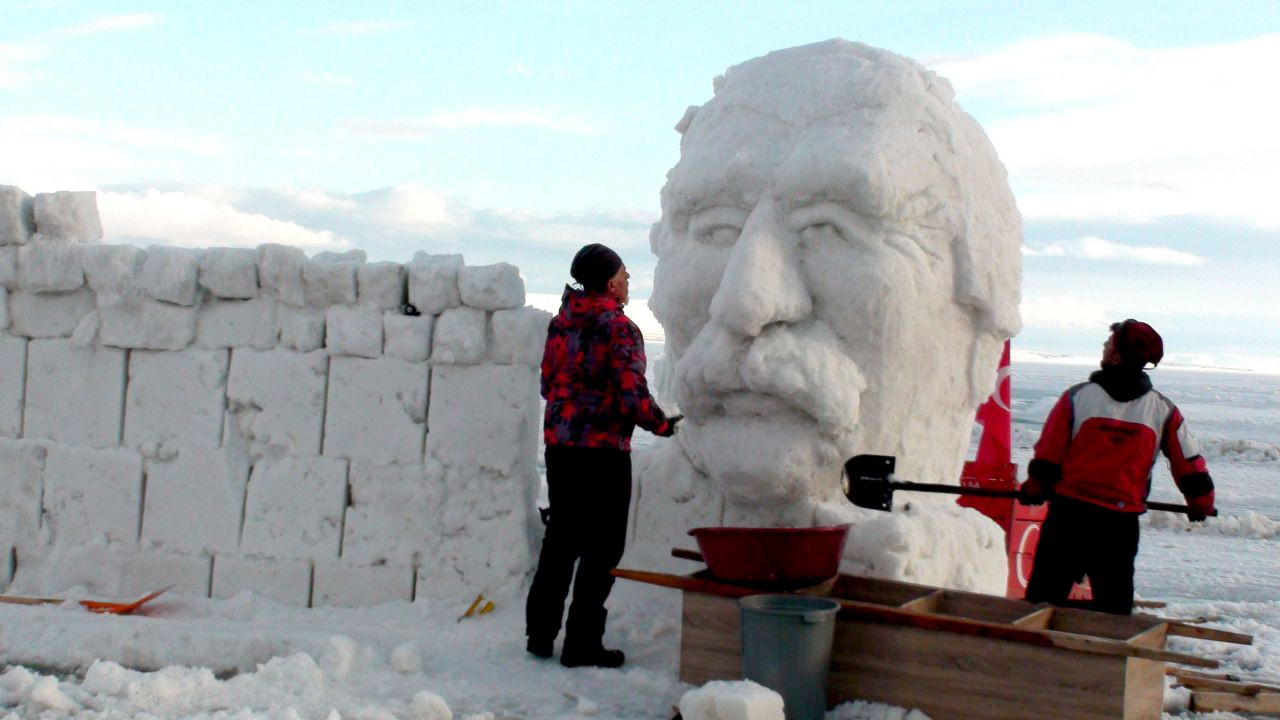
(838, 264)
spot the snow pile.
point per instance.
(731, 700)
(1249, 524)
(838, 266)
(232, 418)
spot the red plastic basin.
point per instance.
(786, 554)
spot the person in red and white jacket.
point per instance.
(1094, 460)
(593, 381)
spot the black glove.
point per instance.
(670, 428)
(1033, 492)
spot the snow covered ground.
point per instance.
(247, 657)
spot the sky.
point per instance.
(1142, 139)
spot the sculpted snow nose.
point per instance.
(762, 283)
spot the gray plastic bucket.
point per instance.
(786, 646)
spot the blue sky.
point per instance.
(1142, 139)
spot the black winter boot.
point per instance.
(595, 657)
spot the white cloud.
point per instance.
(1092, 127)
(60, 152)
(1063, 312)
(189, 220)
(421, 127)
(357, 28)
(520, 69)
(389, 223)
(1096, 248)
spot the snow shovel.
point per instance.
(96, 606)
(867, 485)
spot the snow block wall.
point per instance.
(318, 430)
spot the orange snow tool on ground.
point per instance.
(98, 606)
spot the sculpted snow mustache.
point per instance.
(802, 368)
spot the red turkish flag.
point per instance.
(997, 420)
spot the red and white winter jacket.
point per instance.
(1100, 441)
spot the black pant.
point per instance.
(1078, 539)
(590, 490)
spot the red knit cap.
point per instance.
(1137, 342)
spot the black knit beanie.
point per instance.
(594, 265)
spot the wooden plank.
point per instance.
(924, 603)
(1266, 703)
(1106, 646)
(950, 676)
(1143, 689)
(710, 639)
(1039, 619)
(1208, 633)
(1098, 624)
(1222, 682)
(983, 607)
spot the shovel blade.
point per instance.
(867, 481)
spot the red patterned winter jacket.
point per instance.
(1101, 440)
(593, 375)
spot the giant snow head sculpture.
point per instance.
(838, 265)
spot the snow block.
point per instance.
(195, 502)
(147, 572)
(280, 272)
(237, 323)
(493, 552)
(300, 330)
(13, 374)
(4, 309)
(340, 585)
(732, 700)
(275, 399)
(8, 267)
(92, 495)
(112, 271)
(23, 464)
(174, 400)
(491, 287)
(67, 215)
(407, 337)
(74, 395)
(355, 255)
(433, 282)
(230, 273)
(377, 410)
(394, 513)
(484, 416)
(48, 315)
(146, 324)
(353, 331)
(294, 508)
(381, 285)
(326, 283)
(50, 267)
(459, 337)
(284, 581)
(519, 336)
(17, 220)
(170, 274)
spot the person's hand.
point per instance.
(1032, 492)
(1200, 508)
(670, 428)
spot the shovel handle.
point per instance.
(1002, 493)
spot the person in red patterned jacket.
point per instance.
(1094, 459)
(593, 381)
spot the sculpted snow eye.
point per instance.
(718, 226)
(821, 232)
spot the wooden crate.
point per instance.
(954, 654)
